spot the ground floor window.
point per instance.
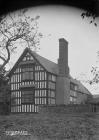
(73, 100)
(28, 97)
(29, 100)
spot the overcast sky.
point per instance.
(65, 22)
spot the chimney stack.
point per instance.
(63, 58)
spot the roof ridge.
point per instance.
(42, 56)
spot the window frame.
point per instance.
(26, 70)
(29, 95)
(73, 86)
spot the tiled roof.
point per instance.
(96, 96)
(53, 68)
(81, 87)
(94, 101)
(47, 64)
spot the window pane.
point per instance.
(52, 94)
(36, 76)
(73, 100)
(73, 86)
(42, 75)
(36, 100)
(51, 85)
(53, 78)
(52, 101)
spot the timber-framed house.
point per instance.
(35, 80)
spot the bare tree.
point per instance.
(91, 15)
(91, 11)
(95, 72)
(17, 28)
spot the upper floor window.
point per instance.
(27, 72)
(73, 86)
(28, 57)
(52, 77)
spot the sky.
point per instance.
(83, 39)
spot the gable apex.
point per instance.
(25, 51)
(45, 63)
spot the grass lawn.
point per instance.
(50, 127)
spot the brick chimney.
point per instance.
(63, 58)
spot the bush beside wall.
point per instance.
(4, 108)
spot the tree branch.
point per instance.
(4, 34)
(14, 29)
(3, 58)
(8, 58)
(10, 33)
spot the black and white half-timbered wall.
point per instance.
(31, 85)
(35, 81)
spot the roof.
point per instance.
(81, 87)
(94, 101)
(50, 67)
(47, 64)
(96, 96)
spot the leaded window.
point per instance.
(73, 100)
(27, 72)
(28, 97)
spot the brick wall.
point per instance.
(63, 58)
(82, 108)
(62, 90)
